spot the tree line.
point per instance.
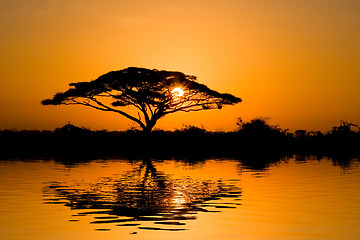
(252, 138)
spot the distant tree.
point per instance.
(191, 130)
(344, 129)
(259, 127)
(70, 129)
(153, 93)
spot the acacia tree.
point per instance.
(154, 93)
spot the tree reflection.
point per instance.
(145, 194)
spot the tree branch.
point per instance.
(188, 108)
(107, 108)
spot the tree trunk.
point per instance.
(148, 128)
(150, 125)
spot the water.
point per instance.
(296, 198)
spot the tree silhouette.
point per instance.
(344, 129)
(154, 93)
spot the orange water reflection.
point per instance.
(144, 194)
(296, 198)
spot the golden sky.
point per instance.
(294, 61)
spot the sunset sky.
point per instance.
(294, 61)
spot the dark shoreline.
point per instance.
(255, 150)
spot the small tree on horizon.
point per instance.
(154, 93)
(259, 127)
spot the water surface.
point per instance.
(295, 198)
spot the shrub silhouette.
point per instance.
(191, 130)
(344, 129)
(258, 127)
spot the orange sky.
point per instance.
(297, 62)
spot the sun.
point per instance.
(177, 92)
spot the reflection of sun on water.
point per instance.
(178, 200)
(177, 92)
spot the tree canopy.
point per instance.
(155, 93)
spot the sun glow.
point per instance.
(177, 92)
(179, 200)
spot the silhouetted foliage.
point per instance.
(345, 129)
(256, 144)
(258, 134)
(191, 130)
(258, 127)
(70, 129)
(153, 93)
